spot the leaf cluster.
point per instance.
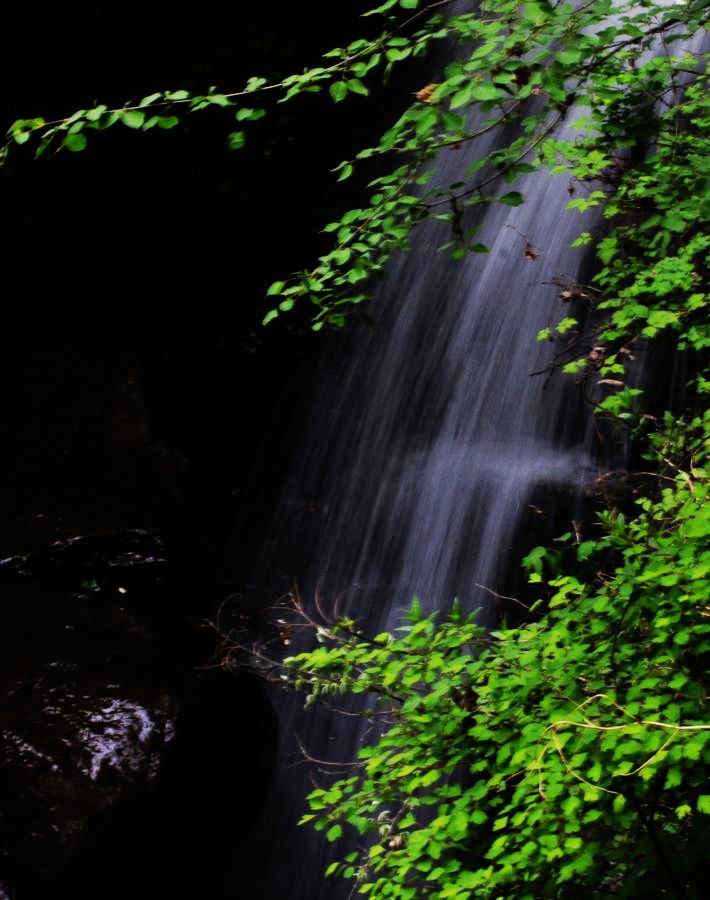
(564, 758)
(520, 70)
(654, 260)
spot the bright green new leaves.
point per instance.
(655, 259)
(132, 118)
(365, 240)
(568, 757)
(236, 140)
(525, 762)
(505, 73)
(74, 142)
(507, 62)
(653, 278)
(21, 131)
(158, 110)
(512, 198)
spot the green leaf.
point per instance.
(345, 172)
(341, 256)
(334, 832)
(255, 83)
(132, 118)
(485, 91)
(276, 288)
(249, 115)
(512, 198)
(357, 87)
(236, 140)
(569, 57)
(565, 324)
(75, 142)
(150, 99)
(338, 90)
(619, 803)
(218, 100)
(93, 115)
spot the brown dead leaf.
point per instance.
(424, 95)
(596, 356)
(530, 252)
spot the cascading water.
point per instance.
(429, 442)
(427, 447)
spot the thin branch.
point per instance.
(501, 596)
(496, 175)
(307, 758)
(284, 83)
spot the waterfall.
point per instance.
(427, 445)
(432, 432)
(429, 441)
(439, 433)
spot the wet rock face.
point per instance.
(83, 553)
(118, 750)
(124, 771)
(88, 695)
(88, 709)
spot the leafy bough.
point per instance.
(555, 53)
(567, 757)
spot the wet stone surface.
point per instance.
(88, 688)
(88, 709)
(119, 748)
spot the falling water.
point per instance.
(427, 446)
(428, 443)
(433, 432)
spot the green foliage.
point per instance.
(508, 75)
(564, 758)
(654, 259)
